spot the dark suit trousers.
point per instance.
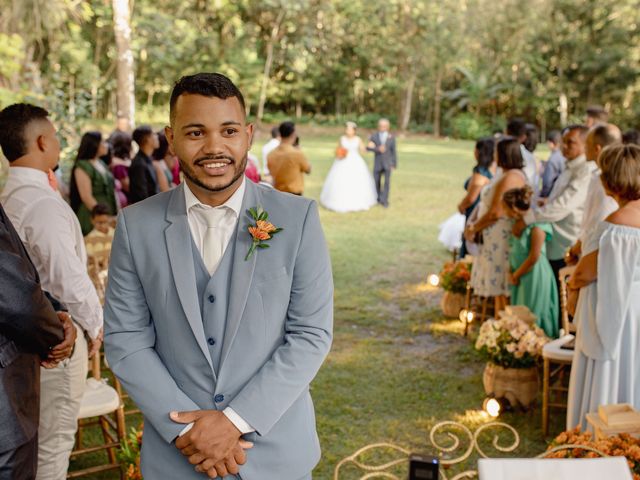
(383, 191)
(20, 463)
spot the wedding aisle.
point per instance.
(397, 366)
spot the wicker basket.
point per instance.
(518, 385)
(451, 304)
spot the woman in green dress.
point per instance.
(532, 280)
(91, 180)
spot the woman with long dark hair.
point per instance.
(490, 274)
(482, 174)
(91, 180)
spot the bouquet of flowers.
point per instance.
(455, 276)
(341, 153)
(129, 455)
(511, 341)
(621, 445)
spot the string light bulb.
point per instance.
(492, 407)
(466, 315)
(433, 280)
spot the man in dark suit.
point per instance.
(31, 334)
(383, 144)
(143, 181)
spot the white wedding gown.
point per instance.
(349, 184)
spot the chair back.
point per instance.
(563, 277)
(98, 252)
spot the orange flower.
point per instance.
(265, 226)
(259, 234)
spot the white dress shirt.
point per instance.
(565, 207)
(52, 236)
(268, 147)
(232, 209)
(597, 208)
(530, 169)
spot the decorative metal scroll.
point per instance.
(451, 450)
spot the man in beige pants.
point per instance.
(52, 237)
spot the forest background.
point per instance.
(447, 67)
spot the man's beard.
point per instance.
(186, 170)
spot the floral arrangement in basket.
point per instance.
(511, 341)
(129, 455)
(455, 276)
(621, 445)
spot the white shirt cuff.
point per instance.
(186, 429)
(238, 421)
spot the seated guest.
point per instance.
(102, 232)
(163, 173)
(606, 368)
(596, 115)
(482, 174)
(91, 180)
(31, 335)
(490, 274)
(53, 239)
(564, 207)
(143, 179)
(555, 165)
(287, 163)
(531, 274)
(631, 137)
(120, 164)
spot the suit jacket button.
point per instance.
(211, 340)
(211, 299)
(218, 398)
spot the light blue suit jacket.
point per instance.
(278, 331)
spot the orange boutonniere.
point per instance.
(262, 231)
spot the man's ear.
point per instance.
(168, 133)
(41, 143)
(250, 133)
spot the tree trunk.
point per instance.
(563, 107)
(437, 103)
(275, 32)
(408, 102)
(298, 109)
(71, 111)
(125, 91)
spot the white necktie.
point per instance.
(213, 240)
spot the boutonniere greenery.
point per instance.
(261, 231)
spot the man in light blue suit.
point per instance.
(216, 322)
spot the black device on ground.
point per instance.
(423, 467)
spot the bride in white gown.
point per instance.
(349, 185)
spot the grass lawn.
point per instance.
(397, 366)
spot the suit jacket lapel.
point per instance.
(178, 238)
(241, 271)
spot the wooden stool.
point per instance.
(556, 360)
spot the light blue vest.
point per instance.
(213, 292)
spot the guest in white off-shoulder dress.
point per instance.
(349, 186)
(606, 365)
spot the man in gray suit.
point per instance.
(30, 335)
(383, 144)
(215, 336)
